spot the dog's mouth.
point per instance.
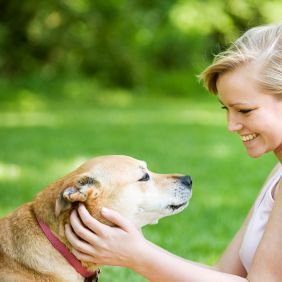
(176, 207)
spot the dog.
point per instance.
(118, 182)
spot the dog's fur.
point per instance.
(116, 182)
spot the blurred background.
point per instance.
(85, 78)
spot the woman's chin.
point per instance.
(255, 153)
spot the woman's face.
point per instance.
(256, 116)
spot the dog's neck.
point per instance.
(64, 251)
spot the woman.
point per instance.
(247, 79)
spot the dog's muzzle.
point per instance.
(183, 194)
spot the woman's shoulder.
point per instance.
(276, 168)
(276, 188)
(269, 186)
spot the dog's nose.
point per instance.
(186, 180)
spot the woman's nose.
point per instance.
(233, 124)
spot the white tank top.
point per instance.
(256, 226)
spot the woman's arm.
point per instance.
(125, 246)
(266, 266)
(156, 266)
(267, 263)
(230, 261)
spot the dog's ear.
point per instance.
(77, 192)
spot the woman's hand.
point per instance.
(101, 244)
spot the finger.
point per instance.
(83, 257)
(80, 230)
(77, 243)
(119, 220)
(91, 222)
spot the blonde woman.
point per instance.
(247, 79)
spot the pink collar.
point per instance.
(64, 251)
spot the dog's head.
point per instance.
(125, 184)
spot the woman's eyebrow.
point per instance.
(234, 104)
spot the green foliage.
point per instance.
(121, 42)
(48, 129)
(224, 21)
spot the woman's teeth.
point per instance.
(248, 137)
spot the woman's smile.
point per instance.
(251, 142)
(249, 137)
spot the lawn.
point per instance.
(48, 129)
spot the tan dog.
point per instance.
(117, 182)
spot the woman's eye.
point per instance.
(224, 108)
(244, 111)
(146, 177)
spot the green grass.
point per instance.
(47, 129)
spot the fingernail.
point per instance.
(105, 210)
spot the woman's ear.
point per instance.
(78, 192)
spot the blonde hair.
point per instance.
(260, 45)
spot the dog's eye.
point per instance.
(85, 180)
(146, 177)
